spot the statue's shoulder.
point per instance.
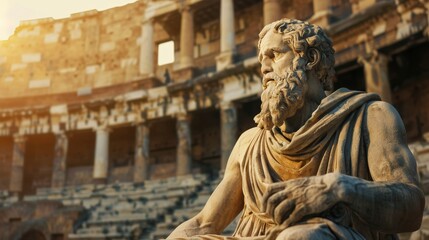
(383, 120)
(247, 135)
(381, 109)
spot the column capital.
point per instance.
(60, 133)
(185, 7)
(182, 116)
(102, 127)
(227, 105)
(373, 57)
(147, 21)
(322, 13)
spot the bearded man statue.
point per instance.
(316, 166)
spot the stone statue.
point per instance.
(317, 166)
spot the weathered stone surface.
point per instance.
(315, 161)
(46, 218)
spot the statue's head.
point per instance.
(292, 54)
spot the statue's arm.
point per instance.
(223, 206)
(392, 202)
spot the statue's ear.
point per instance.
(313, 56)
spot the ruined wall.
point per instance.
(47, 218)
(88, 50)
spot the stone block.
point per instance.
(29, 33)
(75, 33)
(158, 92)
(107, 46)
(91, 202)
(125, 62)
(31, 57)
(42, 83)
(91, 69)
(58, 27)
(51, 38)
(17, 66)
(8, 79)
(84, 91)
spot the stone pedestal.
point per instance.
(184, 145)
(272, 11)
(146, 63)
(101, 159)
(376, 75)
(187, 38)
(227, 35)
(142, 150)
(228, 123)
(322, 13)
(60, 155)
(17, 171)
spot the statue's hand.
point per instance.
(290, 201)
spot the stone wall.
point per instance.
(45, 219)
(88, 50)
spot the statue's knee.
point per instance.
(305, 232)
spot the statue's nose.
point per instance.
(266, 66)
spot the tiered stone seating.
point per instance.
(188, 210)
(125, 210)
(421, 153)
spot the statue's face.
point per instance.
(284, 81)
(275, 57)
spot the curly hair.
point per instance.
(301, 36)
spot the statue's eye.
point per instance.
(277, 55)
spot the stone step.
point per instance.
(123, 218)
(95, 236)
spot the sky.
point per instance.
(13, 11)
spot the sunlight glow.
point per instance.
(13, 11)
(166, 53)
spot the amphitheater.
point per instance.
(103, 138)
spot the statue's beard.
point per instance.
(282, 98)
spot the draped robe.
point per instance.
(331, 140)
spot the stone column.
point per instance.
(60, 155)
(101, 159)
(272, 11)
(227, 35)
(322, 13)
(18, 157)
(146, 63)
(376, 75)
(228, 124)
(187, 38)
(141, 158)
(184, 145)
